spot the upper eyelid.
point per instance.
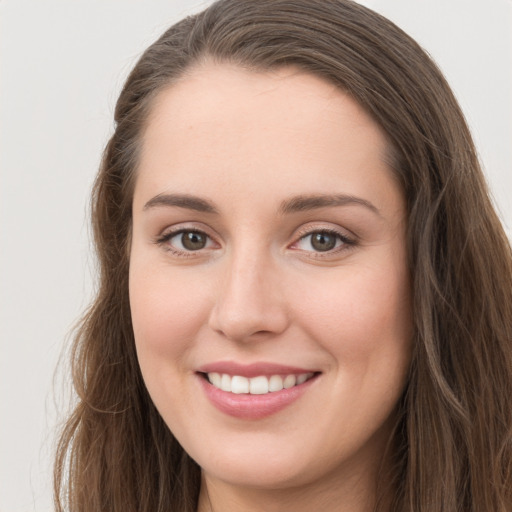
(328, 227)
(186, 226)
(346, 241)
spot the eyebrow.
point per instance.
(311, 202)
(295, 204)
(182, 201)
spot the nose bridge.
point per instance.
(248, 300)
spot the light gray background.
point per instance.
(62, 64)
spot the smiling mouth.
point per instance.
(260, 385)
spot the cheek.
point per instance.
(166, 316)
(167, 312)
(359, 314)
(364, 322)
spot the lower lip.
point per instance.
(253, 407)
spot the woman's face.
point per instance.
(268, 257)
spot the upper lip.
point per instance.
(253, 369)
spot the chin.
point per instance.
(258, 475)
(256, 464)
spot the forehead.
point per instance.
(210, 92)
(208, 82)
(221, 125)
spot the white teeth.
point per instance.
(239, 384)
(275, 383)
(215, 379)
(289, 381)
(225, 383)
(256, 385)
(303, 377)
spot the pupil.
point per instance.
(193, 241)
(323, 241)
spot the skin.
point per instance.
(259, 290)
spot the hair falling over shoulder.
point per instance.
(452, 444)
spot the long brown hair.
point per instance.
(452, 445)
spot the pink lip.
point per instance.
(252, 370)
(247, 406)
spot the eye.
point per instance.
(322, 241)
(185, 240)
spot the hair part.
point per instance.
(452, 443)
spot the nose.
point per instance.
(249, 303)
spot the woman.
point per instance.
(305, 293)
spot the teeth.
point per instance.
(239, 385)
(302, 378)
(256, 385)
(275, 383)
(225, 383)
(289, 381)
(215, 379)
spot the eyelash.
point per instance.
(346, 242)
(166, 237)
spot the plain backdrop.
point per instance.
(62, 65)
